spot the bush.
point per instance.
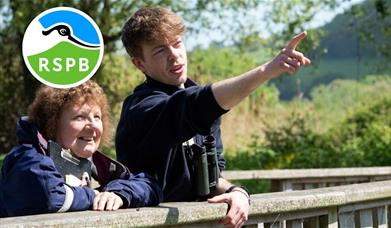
(366, 136)
(364, 139)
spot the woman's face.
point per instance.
(80, 129)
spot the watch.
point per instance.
(239, 189)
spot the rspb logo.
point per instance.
(62, 47)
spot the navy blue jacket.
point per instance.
(30, 183)
(155, 120)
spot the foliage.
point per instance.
(290, 146)
(216, 63)
(255, 186)
(372, 20)
(362, 137)
(346, 122)
(118, 76)
(341, 98)
(17, 86)
(366, 136)
(352, 45)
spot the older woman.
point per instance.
(77, 119)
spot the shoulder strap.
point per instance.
(108, 169)
(42, 143)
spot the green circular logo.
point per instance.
(62, 47)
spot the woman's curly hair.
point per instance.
(49, 102)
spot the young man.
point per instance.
(169, 110)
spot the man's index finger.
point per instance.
(296, 40)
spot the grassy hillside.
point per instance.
(324, 71)
(355, 44)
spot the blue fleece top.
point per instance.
(155, 120)
(30, 183)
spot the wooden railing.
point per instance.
(352, 205)
(299, 179)
(357, 205)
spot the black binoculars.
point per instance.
(206, 167)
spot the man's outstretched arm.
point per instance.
(230, 92)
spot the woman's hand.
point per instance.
(108, 201)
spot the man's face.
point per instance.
(164, 61)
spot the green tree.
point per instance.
(366, 136)
(17, 86)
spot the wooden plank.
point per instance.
(366, 218)
(333, 218)
(341, 180)
(323, 221)
(380, 178)
(254, 226)
(382, 217)
(276, 224)
(322, 185)
(297, 186)
(311, 222)
(375, 218)
(298, 223)
(264, 208)
(276, 185)
(291, 215)
(309, 186)
(308, 173)
(363, 205)
(357, 218)
(287, 186)
(388, 214)
(346, 220)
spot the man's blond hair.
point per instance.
(150, 25)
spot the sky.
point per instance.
(203, 39)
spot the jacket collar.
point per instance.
(28, 133)
(165, 87)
